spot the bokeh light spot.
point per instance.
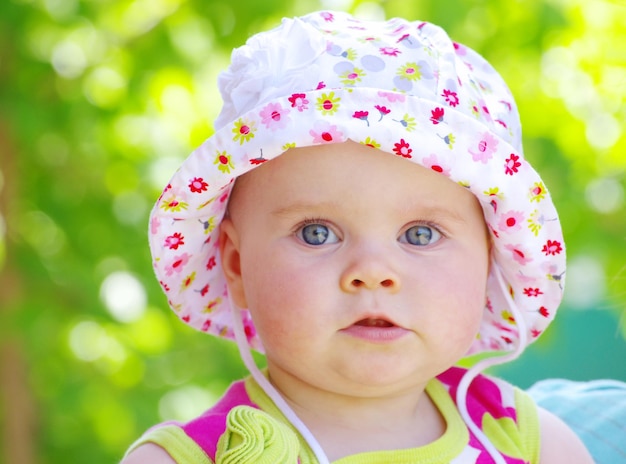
(123, 296)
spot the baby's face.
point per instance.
(361, 270)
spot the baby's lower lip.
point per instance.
(375, 331)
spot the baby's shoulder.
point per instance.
(193, 441)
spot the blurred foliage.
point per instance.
(101, 100)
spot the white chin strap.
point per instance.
(462, 390)
(480, 366)
(246, 355)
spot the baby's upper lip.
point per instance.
(375, 320)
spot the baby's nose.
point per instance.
(370, 271)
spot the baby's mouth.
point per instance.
(370, 322)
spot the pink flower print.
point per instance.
(487, 146)
(177, 264)
(511, 221)
(552, 247)
(155, 223)
(519, 254)
(389, 51)
(451, 97)
(174, 241)
(197, 185)
(392, 97)
(324, 132)
(206, 326)
(403, 149)
(436, 115)
(532, 292)
(327, 16)
(512, 164)
(535, 333)
(274, 116)
(299, 101)
(362, 115)
(320, 85)
(433, 163)
(383, 110)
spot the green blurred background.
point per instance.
(101, 100)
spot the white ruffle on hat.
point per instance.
(402, 87)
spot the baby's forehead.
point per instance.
(353, 172)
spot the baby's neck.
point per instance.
(346, 425)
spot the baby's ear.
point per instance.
(231, 261)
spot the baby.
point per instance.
(400, 231)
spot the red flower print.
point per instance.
(383, 110)
(552, 247)
(403, 149)
(197, 185)
(544, 311)
(451, 97)
(532, 292)
(512, 164)
(320, 85)
(186, 319)
(207, 325)
(362, 115)
(174, 241)
(437, 115)
(299, 101)
(204, 290)
(211, 263)
(506, 339)
(257, 161)
(535, 333)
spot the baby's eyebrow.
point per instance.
(305, 207)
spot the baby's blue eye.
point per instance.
(420, 235)
(317, 234)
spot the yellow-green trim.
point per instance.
(176, 442)
(528, 423)
(443, 450)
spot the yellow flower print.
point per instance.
(211, 305)
(508, 316)
(328, 104)
(188, 280)
(224, 162)
(289, 145)
(352, 76)
(449, 139)
(537, 192)
(370, 142)
(173, 204)
(493, 192)
(350, 54)
(243, 130)
(408, 122)
(410, 71)
(535, 222)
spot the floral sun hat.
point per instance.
(402, 87)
